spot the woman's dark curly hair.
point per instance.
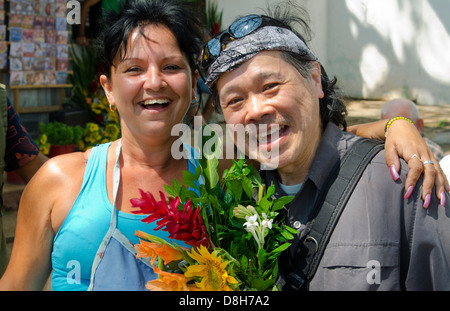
(117, 27)
(332, 109)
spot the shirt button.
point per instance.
(297, 224)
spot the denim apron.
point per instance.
(115, 266)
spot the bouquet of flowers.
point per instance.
(230, 222)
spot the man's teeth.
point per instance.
(155, 102)
(263, 136)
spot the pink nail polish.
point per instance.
(409, 192)
(442, 198)
(394, 173)
(427, 201)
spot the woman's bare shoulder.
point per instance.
(62, 168)
(54, 188)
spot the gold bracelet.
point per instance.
(389, 123)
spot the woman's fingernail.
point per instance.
(442, 198)
(427, 201)
(394, 173)
(409, 192)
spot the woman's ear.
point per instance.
(107, 87)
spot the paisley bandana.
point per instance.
(268, 38)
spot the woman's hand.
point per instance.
(404, 140)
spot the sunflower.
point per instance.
(210, 269)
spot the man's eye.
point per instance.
(233, 102)
(270, 86)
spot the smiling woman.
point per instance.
(153, 85)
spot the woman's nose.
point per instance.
(154, 80)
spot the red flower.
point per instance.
(184, 225)
(93, 86)
(99, 118)
(215, 29)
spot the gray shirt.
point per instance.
(382, 241)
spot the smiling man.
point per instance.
(261, 72)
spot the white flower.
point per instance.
(267, 223)
(252, 222)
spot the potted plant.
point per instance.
(58, 138)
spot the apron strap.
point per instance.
(113, 223)
(116, 182)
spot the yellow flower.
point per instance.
(93, 137)
(81, 145)
(112, 131)
(210, 269)
(113, 116)
(43, 139)
(45, 148)
(92, 127)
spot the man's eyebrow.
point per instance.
(260, 77)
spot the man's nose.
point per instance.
(258, 109)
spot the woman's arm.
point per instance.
(403, 141)
(43, 207)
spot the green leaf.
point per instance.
(261, 285)
(170, 191)
(247, 186)
(198, 172)
(270, 191)
(210, 172)
(277, 251)
(264, 205)
(235, 187)
(287, 235)
(281, 202)
(176, 185)
(262, 256)
(188, 179)
(291, 230)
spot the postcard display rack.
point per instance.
(38, 48)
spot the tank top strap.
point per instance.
(96, 163)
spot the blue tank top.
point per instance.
(77, 241)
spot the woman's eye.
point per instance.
(172, 67)
(132, 69)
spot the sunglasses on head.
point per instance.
(239, 29)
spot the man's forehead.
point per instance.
(265, 65)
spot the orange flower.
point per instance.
(153, 250)
(170, 282)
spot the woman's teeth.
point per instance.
(152, 102)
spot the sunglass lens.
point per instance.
(214, 47)
(245, 25)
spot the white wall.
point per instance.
(377, 48)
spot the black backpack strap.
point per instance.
(328, 210)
